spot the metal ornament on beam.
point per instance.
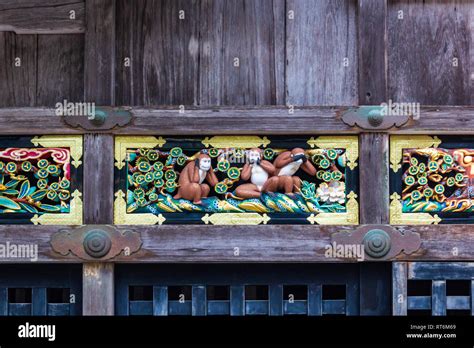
(95, 242)
(104, 118)
(373, 117)
(381, 242)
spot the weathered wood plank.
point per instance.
(374, 178)
(375, 284)
(18, 54)
(472, 297)
(438, 298)
(426, 41)
(265, 243)
(163, 51)
(237, 300)
(237, 120)
(42, 16)
(160, 300)
(275, 298)
(372, 51)
(248, 33)
(99, 60)
(400, 288)
(319, 39)
(98, 289)
(441, 270)
(38, 301)
(315, 299)
(199, 300)
(98, 178)
(60, 69)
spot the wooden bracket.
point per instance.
(95, 242)
(371, 117)
(105, 118)
(381, 242)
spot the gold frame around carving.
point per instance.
(349, 143)
(74, 143)
(397, 144)
(122, 143)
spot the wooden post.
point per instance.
(400, 293)
(98, 278)
(373, 164)
(438, 298)
(98, 288)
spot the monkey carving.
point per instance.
(257, 170)
(191, 179)
(287, 164)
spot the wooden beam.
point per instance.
(238, 120)
(98, 289)
(42, 16)
(263, 243)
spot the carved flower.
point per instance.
(335, 192)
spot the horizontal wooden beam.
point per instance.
(42, 16)
(238, 120)
(234, 244)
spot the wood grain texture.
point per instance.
(60, 72)
(98, 178)
(400, 289)
(422, 47)
(441, 270)
(252, 32)
(99, 54)
(318, 39)
(374, 178)
(18, 83)
(42, 16)
(98, 288)
(372, 35)
(265, 243)
(163, 51)
(190, 61)
(238, 120)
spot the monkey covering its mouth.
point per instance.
(257, 170)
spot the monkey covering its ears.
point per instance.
(191, 179)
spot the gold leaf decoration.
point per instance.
(400, 142)
(397, 217)
(349, 143)
(350, 217)
(74, 217)
(236, 219)
(122, 218)
(238, 141)
(73, 142)
(122, 143)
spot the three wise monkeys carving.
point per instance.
(259, 175)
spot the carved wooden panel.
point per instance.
(236, 180)
(40, 180)
(432, 179)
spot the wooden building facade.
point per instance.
(169, 79)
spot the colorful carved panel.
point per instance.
(433, 179)
(40, 180)
(236, 180)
